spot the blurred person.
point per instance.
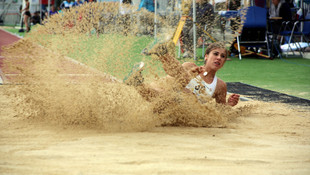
(35, 19)
(77, 3)
(52, 11)
(279, 11)
(45, 4)
(27, 15)
(204, 16)
(233, 4)
(66, 4)
(127, 1)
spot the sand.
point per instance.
(60, 120)
(273, 139)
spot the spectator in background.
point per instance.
(233, 4)
(279, 11)
(77, 3)
(52, 11)
(204, 16)
(124, 8)
(127, 2)
(44, 4)
(35, 19)
(66, 4)
(27, 15)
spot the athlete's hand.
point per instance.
(162, 49)
(233, 100)
(196, 70)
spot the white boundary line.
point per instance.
(12, 33)
(4, 80)
(62, 75)
(95, 71)
(2, 77)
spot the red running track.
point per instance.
(73, 70)
(6, 38)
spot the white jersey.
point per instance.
(199, 87)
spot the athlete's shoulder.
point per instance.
(221, 84)
(221, 87)
(220, 91)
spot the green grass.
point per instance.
(15, 31)
(120, 53)
(290, 75)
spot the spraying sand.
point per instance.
(53, 122)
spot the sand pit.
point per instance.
(52, 123)
(272, 139)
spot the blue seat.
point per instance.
(253, 17)
(254, 29)
(299, 36)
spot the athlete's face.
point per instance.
(216, 59)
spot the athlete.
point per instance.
(199, 80)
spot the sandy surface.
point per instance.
(273, 139)
(269, 139)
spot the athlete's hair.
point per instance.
(216, 45)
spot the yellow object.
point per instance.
(179, 29)
(245, 52)
(186, 4)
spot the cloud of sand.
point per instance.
(96, 34)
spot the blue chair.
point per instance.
(298, 37)
(254, 30)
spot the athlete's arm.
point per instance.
(171, 65)
(220, 94)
